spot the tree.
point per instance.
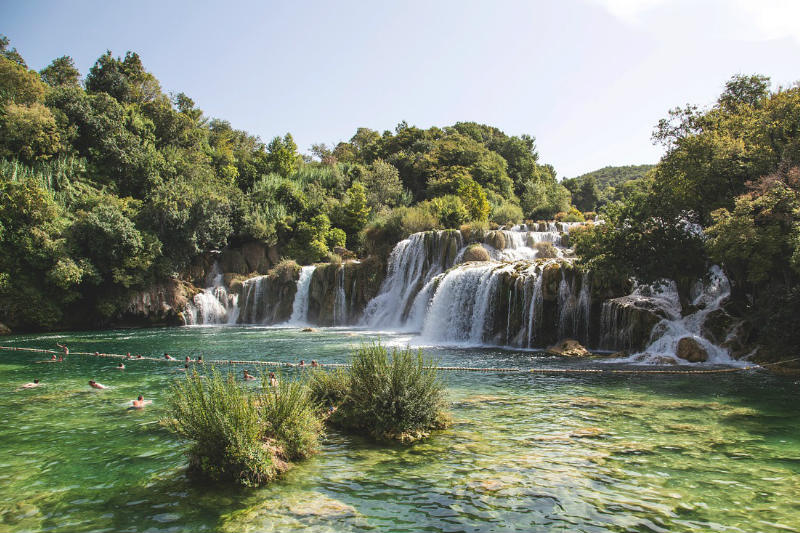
(282, 155)
(588, 195)
(61, 71)
(354, 212)
(11, 53)
(18, 84)
(382, 184)
(745, 90)
(28, 132)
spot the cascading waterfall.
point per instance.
(412, 264)
(253, 300)
(300, 305)
(340, 301)
(535, 308)
(212, 305)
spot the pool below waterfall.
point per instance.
(581, 452)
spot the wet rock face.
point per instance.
(495, 239)
(358, 280)
(249, 258)
(160, 304)
(4, 330)
(628, 321)
(569, 348)
(691, 351)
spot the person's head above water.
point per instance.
(36, 381)
(140, 398)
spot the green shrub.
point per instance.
(395, 397)
(506, 213)
(572, 216)
(329, 388)
(289, 415)
(238, 436)
(222, 421)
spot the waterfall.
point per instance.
(300, 305)
(462, 308)
(340, 300)
(583, 311)
(253, 300)
(566, 307)
(535, 308)
(412, 264)
(707, 297)
(212, 305)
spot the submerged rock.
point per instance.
(308, 330)
(569, 348)
(690, 350)
(4, 330)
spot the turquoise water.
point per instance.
(575, 452)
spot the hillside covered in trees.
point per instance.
(595, 189)
(109, 185)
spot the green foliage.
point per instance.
(282, 155)
(18, 84)
(506, 213)
(28, 132)
(541, 200)
(61, 71)
(289, 415)
(354, 213)
(398, 396)
(573, 215)
(599, 187)
(450, 210)
(238, 436)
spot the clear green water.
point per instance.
(526, 453)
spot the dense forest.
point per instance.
(726, 192)
(109, 184)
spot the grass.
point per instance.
(241, 436)
(397, 396)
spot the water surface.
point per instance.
(527, 452)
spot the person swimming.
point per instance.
(185, 368)
(31, 385)
(121, 366)
(273, 381)
(248, 376)
(140, 402)
(96, 385)
(168, 357)
(138, 356)
(302, 363)
(199, 358)
(128, 355)
(188, 359)
(314, 363)
(63, 348)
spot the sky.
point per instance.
(588, 78)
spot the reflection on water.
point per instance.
(526, 452)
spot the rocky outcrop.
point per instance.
(628, 321)
(495, 239)
(690, 350)
(268, 299)
(569, 348)
(162, 304)
(4, 330)
(249, 258)
(339, 293)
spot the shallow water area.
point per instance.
(526, 452)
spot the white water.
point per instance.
(707, 297)
(300, 305)
(340, 300)
(212, 305)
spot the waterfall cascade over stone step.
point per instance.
(212, 305)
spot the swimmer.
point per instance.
(248, 376)
(185, 368)
(54, 358)
(188, 359)
(138, 356)
(97, 354)
(140, 402)
(273, 381)
(314, 363)
(96, 385)
(64, 348)
(168, 357)
(199, 358)
(302, 363)
(128, 355)
(120, 367)
(32, 385)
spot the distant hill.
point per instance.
(614, 176)
(598, 187)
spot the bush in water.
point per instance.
(388, 397)
(239, 436)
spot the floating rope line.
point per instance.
(444, 368)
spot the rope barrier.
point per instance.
(444, 368)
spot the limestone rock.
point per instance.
(690, 350)
(4, 330)
(569, 348)
(255, 255)
(476, 252)
(232, 260)
(308, 330)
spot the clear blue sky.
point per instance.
(588, 78)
